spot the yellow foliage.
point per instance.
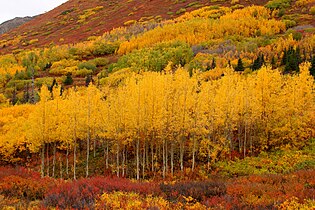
(247, 22)
(87, 13)
(293, 203)
(301, 3)
(122, 200)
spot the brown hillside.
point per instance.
(76, 20)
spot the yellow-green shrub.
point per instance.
(64, 66)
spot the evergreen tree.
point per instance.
(54, 83)
(292, 59)
(88, 80)
(68, 80)
(14, 98)
(258, 62)
(284, 58)
(240, 66)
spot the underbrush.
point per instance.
(279, 180)
(81, 194)
(278, 162)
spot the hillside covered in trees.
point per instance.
(209, 106)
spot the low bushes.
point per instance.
(20, 183)
(82, 193)
(196, 190)
(248, 192)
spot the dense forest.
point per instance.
(214, 108)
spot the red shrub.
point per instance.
(81, 194)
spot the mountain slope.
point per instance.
(76, 20)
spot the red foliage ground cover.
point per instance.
(248, 192)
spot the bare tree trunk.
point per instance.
(42, 172)
(152, 156)
(172, 158)
(94, 144)
(47, 157)
(117, 160)
(67, 161)
(194, 153)
(245, 137)
(123, 162)
(74, 159)
(138, 161)
(107, 151)
(87, 152)
(54, 160)
(126, 163)
(147, 154)
(143, 160)
(181, 151)
(60, 167)
(164, 159)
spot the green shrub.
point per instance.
(64, 71)
(281, 12)
(289, 23)
(180, 11)
(155, 58)
(282, 161)
(22, 75)
(101, 48)
(278, 4)
(100, 61)
(83, 72)
(17, 84)
(64, 66)
(312, 10)
(87, 65)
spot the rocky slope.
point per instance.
(14, 23)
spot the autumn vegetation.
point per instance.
(213, 109)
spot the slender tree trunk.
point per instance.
(181, 151)
(172, 158)
(117, 160)
(54, 160)
(126, 162)
(123, 162)
(42, 172)
(107, 150)
(152, 156)
(147, 154)
(60, 167)
(94, 144)
(137, 158)
(74, 159)
(164, 159)
(143, 161)
(194, 153)
(166, 156)
(67, 161)
(47, 157)
(87, 152)
(245, 137)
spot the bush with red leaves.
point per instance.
(23, 184)
(81, 194)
